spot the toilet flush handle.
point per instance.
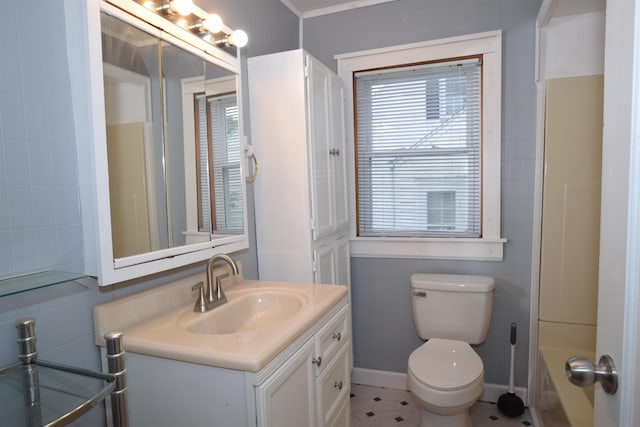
(422, 294)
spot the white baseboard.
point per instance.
(398, 380)
(375, 378)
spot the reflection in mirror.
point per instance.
(214, 143)
(177, 65)
(172, 142)
(134, 138)
(224, 153)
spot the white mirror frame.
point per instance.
(99, 259)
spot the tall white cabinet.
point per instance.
(298, 135)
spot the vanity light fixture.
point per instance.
(212, 23)
(182, 7)
(206, 25)
(238, 38)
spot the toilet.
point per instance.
(445, 373)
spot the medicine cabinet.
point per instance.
(166, 149)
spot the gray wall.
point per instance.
(384, 334)
(64, 321)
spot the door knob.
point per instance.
(583, 373)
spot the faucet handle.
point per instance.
(201, 302)
(220, 296)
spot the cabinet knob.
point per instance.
(317, 361)
(334, 152)
(338, 385)
(337, 336)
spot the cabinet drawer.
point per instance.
(342, 418)
(332, 337)
(335, 385)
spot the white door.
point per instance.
(288, 396)
(618, 298)
(338, 154)
(324, 264)
(319, 161)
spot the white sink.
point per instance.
(260, 320)
(246, 311)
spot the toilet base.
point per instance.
(461, 419)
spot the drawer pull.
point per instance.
(338, 385)
(336, 336)
(317, 361)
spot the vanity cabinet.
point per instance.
(308, 384)
(312, 387)
(298, 134)
(287, 397)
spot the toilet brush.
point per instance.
(508, 403)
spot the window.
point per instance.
(425, 152)
(219, 193)
(418, 137)
(441, 210)
(213, 192)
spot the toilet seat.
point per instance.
(445, 365)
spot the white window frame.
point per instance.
(190, 86)
(489, 246)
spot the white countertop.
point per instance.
(153, 324)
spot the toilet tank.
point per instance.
(456, 307)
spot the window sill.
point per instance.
(483, 249)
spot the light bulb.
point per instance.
(212, 23)
(182, 7)
(238, 38)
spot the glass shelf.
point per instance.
(40, 279)
(45, 394)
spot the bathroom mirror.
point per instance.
(173, 144)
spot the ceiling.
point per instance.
(311, 8)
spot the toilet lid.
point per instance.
(445, 364)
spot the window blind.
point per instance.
(418, 145)
(227, 181)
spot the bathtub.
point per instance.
(558, 402)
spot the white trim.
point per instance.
(398, 381)
(342, 7)
(409, 47)
(292, 8)
(545, 13)
(432, 248)
(376, 378)
(300, 33)
(536, 418)
(630, 363)
(489, 44)
(536, 241)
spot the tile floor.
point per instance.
(385, 407)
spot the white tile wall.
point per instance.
(40, 218)
(40, 221)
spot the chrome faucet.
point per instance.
(215, 295)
